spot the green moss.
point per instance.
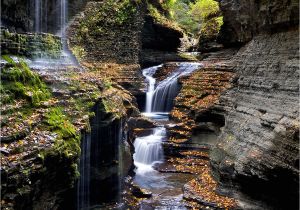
(66, 150)
(210, 29)
(33, 46)
(19, 82)
(110, 14)
(51, 45)
(161, 19)
(107, 83)
(79, 52)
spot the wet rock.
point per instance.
(140, 192)
(31, 45)
(4, 151)
(160, 37)
(140, 122)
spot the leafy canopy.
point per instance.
(204, 9)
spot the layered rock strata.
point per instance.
(260, 141)
(30, 45)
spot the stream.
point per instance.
(166, 188)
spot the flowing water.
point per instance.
(37, 15)
(160, 97)
(67, 59)
(166, 188)
(83, 187)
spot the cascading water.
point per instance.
(148, 73)
(159, 100)
(167, 193)
(83, 187)
(63, 17)
(37, 15)
(148, 150)
(66, 59)
(161, 97)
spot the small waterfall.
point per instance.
(63, 17)
(148, 150)
(83, 186)
(148, 73)
(101, 163)
(38, 15)
(161, 97)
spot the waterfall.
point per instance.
(148, 149)
(161, 97)
(83, 186)
(148, 73)
(63, 17)
(101, 162)
(37, 15)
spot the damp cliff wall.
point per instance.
(259, 145)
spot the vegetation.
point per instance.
(33, 46)
(162, 19)
(199, 16)
(19, 82)
(111, 14)
(67, 141)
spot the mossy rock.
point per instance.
(31, 45)
(19, 82)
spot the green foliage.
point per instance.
(110, 14)
(79, 52)
(210, 29)
(19, 82)
(180, 12)
(207, 12)
(67, 142)
(168, 4)
(204, 9)
(194, 15)
(160, 18)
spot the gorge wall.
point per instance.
(259, 145)
(19, 16)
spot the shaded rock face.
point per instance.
(158, 37)
(244, 19)
(19, 15)
(259, 144)
(105, 160)
(109, 42)
(109, 39)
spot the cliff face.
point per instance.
(19, 15)
(259, 145)
(244, 19)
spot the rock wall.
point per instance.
(259, 144)
(30, 45)
(246, 18)
(19, 15)
(111, 42)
